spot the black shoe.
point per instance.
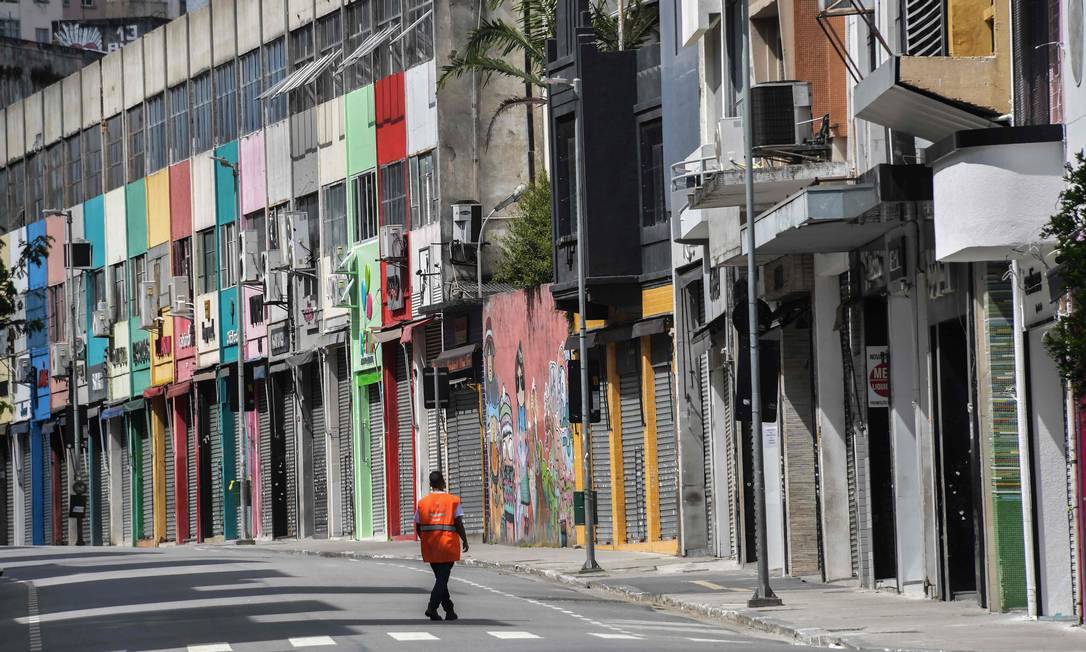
(433, 614)
(450, 614)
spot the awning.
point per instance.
(367, 46)
(179, 389)
(152, 392)
(277, 366)
(457, 359)
(300, 359)
(48, 427)
(202, 376)
(386, 336)
(135, 405)
(111, 412)
(620, 332)
(409, 328)
(300, 77)
(21, 428)
(260, 372)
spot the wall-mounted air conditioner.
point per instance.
(180, 299)
(781, 113)
(467, 221)
(339, 289)
(59, 359)
(729, 143)
(393, 243)
(301, 251)
(101, 321)
(81, 255)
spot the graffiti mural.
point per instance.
(529, 446)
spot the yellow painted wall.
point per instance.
(162, 366)
(158, 465)
(657, 301)
(970, 24)
(158, 208)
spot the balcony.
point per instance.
(994, 190)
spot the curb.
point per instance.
(812, 636)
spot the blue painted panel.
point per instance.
(228, 325)
(225, 201)
(40, 359)
(37, 318)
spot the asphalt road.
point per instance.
(211, 599)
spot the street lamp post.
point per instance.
(511, 199)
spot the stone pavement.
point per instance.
(827, 615)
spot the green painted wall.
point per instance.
(135, 206)
(361, 127)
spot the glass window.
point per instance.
(275, 69)
(301, 54)
(181, 259)
(120, 292)
(74, 181)
(9, 28)
(35, 196)
(200, 104)
(17, 194)
(98, 288)
(228, 261)
(565, 173)
(334, 239)
(422, 192)
(54, 176)
(651, 162)
(136, 143)
(250, 89)
(329, 40)
(393, 194)
(114, 152)
(138, 267)
(226, 103)
(180, 142)
(208, 269)
(418, 44)
(359, 28)
(156, 133)
(92, 161)
(364, 191)
(388, 57)
(59, 316)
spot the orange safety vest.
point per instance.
(437, 525)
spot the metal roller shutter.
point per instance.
(9, 495)
(104, 474)
(171, 484)
(46, 462)
(601, 469)
(146, 480)
(263, 419)
(377, 457)
(126, 483)
(346, 443)
(405, 442)
(434, 454)
(290, 448)
(667, 445)
(465, 456)
(86, 459)
(315, 401)
(706, 445)
(62, 488)
(192, 463)
(28, 520)
(633, 442)
(215, 439)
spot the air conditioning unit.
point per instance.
(276, 283)
(180, 299)
(729, 143)
(59, 359)
(100, 320)
(251, 257)
(467, 221)
(301, 252)
(781, 113)
(393, 244)
(339, 290)
(148, 305)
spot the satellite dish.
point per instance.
(1074, 37)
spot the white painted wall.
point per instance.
(277, 148)
(202, 171)
(331, 142)
(420, 89)
(115, 225)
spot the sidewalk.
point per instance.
(826, 615)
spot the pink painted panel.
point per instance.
(253, 180)
(180, 201)
(54, 229)
(256, 326)
(184, 349)
(254, 469)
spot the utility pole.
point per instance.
(763, 594)
(73, 390)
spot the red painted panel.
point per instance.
(391, 110)
(180, 201)
(181, 479)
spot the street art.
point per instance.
(529, 445)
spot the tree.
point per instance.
(526, 248)
(1066, 341)
(11, 326)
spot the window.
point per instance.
(92, 161)
(17, 193)
(393, 195)
(59, 317)
(74, 181)
(329, 40)
(120, 292)
(276, 219)
(334, 240)
(228, 261)
(250, 90)
(201, 112)
(275, 69)
(41, 34)
(301, 53)
(364, 192)
(206, 281)
(54, 176)
(422, 191)
(138, 267)
(181, 259)
(114, 152)
(226, 107)
(308, 285)
(135, 118)
(9, 28)
(35, 187)
(179, 123)
(651, 166)
(388, 57)
(565, 182)
(156, 133)
(359, 28)
(98, 288)
(418, 43)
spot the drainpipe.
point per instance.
(1024, 452)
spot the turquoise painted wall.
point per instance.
(228, 322)
(94, 232)
(225, 207)
(135, 206)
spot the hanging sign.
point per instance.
(878, 377)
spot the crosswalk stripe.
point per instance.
(412, 636)
(211, 647)
(623, 637)
(711, 640)
(512, 635)
(311, 641)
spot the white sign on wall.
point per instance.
(878, 377)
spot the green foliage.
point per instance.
(526, 249)
(33, 252)
(1067, 339)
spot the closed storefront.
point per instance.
(667, 445)
(284, 457)
(142, 457)
(376, 424)
(25, 474)
(7, 492)
(404, 442)
(344, 435)
(601, 467)
(168, 466)
(264, 440)
(209, 456)
(316, 431)
(632, 423)
(465, 455)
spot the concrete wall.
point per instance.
(248, 26)
(112, 85)
(177, 44)
(154, 61)
(224, 31)
(91, 83)
(199, 40)
(53, 99)
(73, 100)
(273, 19)
(277, 147)
(133, 74)
(331, 142)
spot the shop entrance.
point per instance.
(880, 449)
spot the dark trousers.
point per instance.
(440, 593)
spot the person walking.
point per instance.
(439, 521)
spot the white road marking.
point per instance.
(213, 647)
(708, 585)
(512, 635)
(711, 640)
(122, 573)
(33, 619)
(413, 636)
(311, 641)
(623, 637)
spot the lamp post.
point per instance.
(511, 199)
(590, 564)
(763, 594)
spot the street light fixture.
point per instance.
(590, 564)
(518, 192)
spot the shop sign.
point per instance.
(878, 377)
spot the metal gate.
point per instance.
(104, 473)
(346, 443)
(126, 482)
(28, 506)
(146, 477)
(405, 448)
(433, 431)
(465, 455)
(288, 430)
(319, 450)
(46, 462)
(183, 405)
(214, 438)
(633, 441)
(263, 426)
(171, 482)
(706, 447)
(61, 501)
(601, 468)
(667, 445)
(8, 490)
(377, 457)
